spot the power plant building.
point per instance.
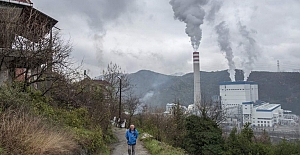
(262, 114)
(235, 93)
(240, 104)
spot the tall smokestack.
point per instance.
(197, 91)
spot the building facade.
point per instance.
(240, 103)
(233, 94)
(262, 114)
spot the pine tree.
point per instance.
(203, 136)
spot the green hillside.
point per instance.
(157, 89)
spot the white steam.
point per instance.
(250, 48)
(214, 9)
(224, 43)
(192, 13)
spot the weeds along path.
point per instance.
(120, 148)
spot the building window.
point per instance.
(257, 121)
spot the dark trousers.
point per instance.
(131, 149)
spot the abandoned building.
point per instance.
(24, 51)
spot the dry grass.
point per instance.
(21, 133)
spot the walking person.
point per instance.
(131, 136)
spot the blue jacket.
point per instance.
(131, 136)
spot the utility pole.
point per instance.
(278, 66)
(120, 101)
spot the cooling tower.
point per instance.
(197, 91)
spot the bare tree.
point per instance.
(210, 109)
(114, 75)
(29, 50)
(131, 105)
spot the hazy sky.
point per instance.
(143, 34)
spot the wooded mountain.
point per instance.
(157, 89)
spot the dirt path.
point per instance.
(120, 148)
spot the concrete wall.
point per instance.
(254, 92)
(232, 95)
(266, 118)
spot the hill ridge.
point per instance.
(157, 89)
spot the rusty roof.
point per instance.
(40, 20)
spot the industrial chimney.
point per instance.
(197, 91)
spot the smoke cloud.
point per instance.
(250, 48)
(192, 13)
(148, 96)
(223, 39)
(98, 15)
(215, 8)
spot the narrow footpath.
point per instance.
(120, 148)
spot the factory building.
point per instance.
(240, 104)
(262, 114)
(235, 93)
(170, 108)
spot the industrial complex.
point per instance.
(240, 104)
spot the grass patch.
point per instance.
(159, 148)
(21, 133)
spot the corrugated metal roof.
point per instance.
(268, 107)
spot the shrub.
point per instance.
(12, 98)
(160, 148)
(30, 125)
(91, 140)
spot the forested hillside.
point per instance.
(281, 87)
(158, 89)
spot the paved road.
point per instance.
(120, 148)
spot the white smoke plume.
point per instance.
(192, 13)
(250, 47)
(148, 96)
(214, 9)
(224, 43)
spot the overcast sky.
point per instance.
(143, 34)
